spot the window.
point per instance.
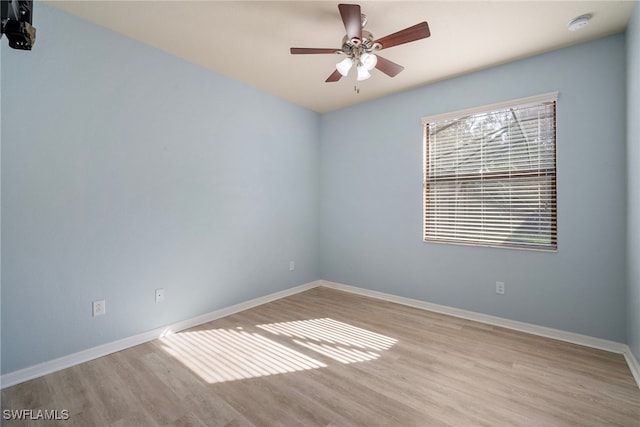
(490, 175)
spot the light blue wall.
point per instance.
(371, 197)
(633, 174)
(125, 169)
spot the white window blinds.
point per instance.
(490, 175)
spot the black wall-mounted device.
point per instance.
(16, 23)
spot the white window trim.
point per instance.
(545, 97)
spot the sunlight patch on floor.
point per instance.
(340, 341)
(219, 355)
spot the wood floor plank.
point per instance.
(329, 358)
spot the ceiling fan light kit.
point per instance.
(366, 62)
(358, 45)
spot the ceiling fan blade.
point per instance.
(334, 77)
(350, 14)
(305, 50)
(417, 32)
(390, 68)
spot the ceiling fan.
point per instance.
(358, 45)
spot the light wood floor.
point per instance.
(329, 358)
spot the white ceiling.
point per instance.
(250, 40)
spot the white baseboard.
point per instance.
(585, 340)
(634, 366)
(35, 371)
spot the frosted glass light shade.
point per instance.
(363, 73)
(369, 61)
(344, 66)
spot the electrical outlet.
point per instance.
(292, 265)
(159, 295)
(500, 288)
(99, 308)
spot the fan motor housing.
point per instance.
(355, 47)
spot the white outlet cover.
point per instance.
(159, 295)
(99, 308)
